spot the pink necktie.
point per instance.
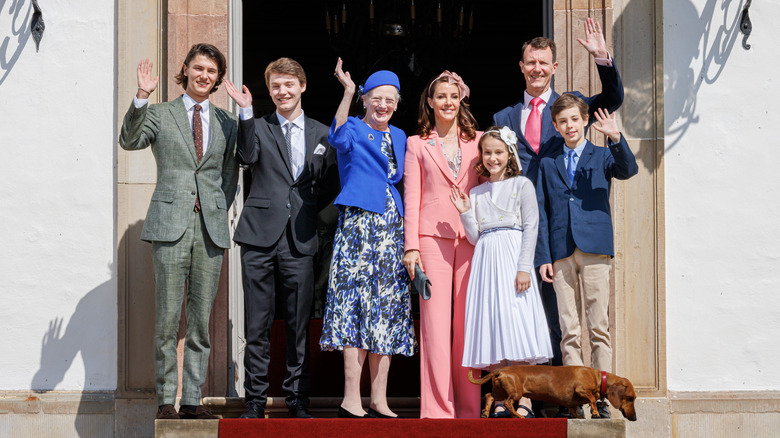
(533, 126)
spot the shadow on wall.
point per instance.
(14, 37)
(693, 61)
(60, 346)
(59, 349)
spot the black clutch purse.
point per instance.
(421, 284)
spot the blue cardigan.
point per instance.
(363, 166)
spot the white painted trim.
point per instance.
(235, 281)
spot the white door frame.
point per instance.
(235, 281)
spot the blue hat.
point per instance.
(382, 77)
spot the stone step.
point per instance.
(615, 428)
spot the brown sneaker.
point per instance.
(167, 412)
(200, 413)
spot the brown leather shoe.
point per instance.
(200, 413)
(167, 412)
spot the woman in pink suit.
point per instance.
(442, 155)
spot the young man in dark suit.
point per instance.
(194, 146)
(575, 242)
(531, 121)
(288, 154)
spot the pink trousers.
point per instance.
(445, 390)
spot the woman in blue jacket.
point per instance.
(368, 308)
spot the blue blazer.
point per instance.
(551, 144)
(363, 166)
(578, 215)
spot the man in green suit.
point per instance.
(194, 144)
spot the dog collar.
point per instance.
(603, 384)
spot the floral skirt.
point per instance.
(368, 304)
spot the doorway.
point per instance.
(417, 40)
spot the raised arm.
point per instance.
(349, 91)
(594, 41)
(611, 96)
(140, 124)
(621, 164)
(247, 147)
(242, 98)
(146, 85)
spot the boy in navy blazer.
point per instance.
(575, 226)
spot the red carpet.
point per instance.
(346, 428)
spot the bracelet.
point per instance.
(147, 91)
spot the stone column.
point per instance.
(637, 299)
(189, 23)
(163, 32)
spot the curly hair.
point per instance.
(512, 166)
(210, 52)
(426, 119)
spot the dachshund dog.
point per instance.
(569, 386)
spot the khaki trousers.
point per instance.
(584, 277)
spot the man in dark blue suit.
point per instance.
(530, 119)
(575, 242)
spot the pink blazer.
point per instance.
(427, 184)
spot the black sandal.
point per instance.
(530, 412)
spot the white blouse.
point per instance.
(510, 203)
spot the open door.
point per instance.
(480, 40)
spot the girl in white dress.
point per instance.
(505, 320)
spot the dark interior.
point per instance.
(485, 54)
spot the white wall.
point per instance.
(57, 223)
(722, 203)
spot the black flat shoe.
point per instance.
(299, 409)
(563, 412)
(603, 410)
(253, 410)
(343, 413)
(530, 412)
(376, 414)
(501, 414)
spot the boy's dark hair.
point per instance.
(512, 166)
(426, 120)
(566, 101)
(210, 52)
(540, 43)
(285, 66)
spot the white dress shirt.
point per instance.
(189, 105)
(606, 62)
(526, 111)
(298, 142)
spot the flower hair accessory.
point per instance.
(510, 138)
(452, 78)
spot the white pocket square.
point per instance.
(319, 150)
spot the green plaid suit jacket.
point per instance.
(166, 128)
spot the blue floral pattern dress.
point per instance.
(368, 304)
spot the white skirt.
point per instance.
(502, 324)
